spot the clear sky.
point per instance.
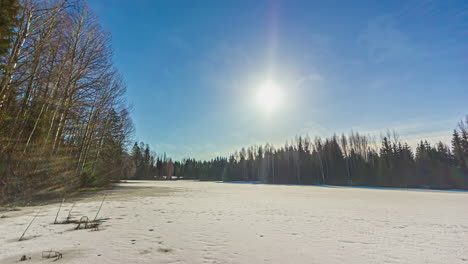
(194, 68)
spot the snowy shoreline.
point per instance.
(343, 186)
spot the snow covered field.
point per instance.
(206, 222)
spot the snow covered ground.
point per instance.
(206, 222)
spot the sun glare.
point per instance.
(269, 96)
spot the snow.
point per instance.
(208, 222)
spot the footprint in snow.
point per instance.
(164, 250)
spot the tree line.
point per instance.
(353, 160)
(147, 165)
(64, 122)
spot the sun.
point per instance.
(269, 96)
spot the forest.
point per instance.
(64, 120)
(346, 160)
(65, 124)
(353, 160)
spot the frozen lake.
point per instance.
(207, 222)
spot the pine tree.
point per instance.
(8, 18)
(458, 152)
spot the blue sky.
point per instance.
(193, 69)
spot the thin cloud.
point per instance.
(413, 131)
(313, 77)
(179, 43)
(386, 42)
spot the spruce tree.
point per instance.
(8, 18)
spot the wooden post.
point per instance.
(21, 238)
(63, 200)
